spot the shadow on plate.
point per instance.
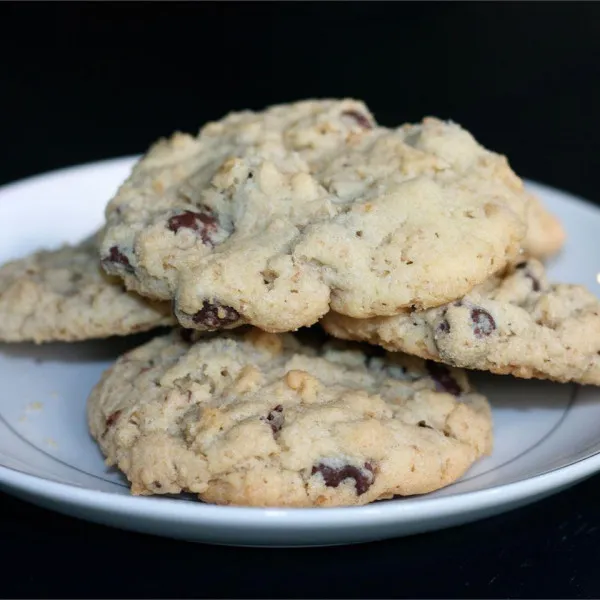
(82, 352)
(507, 392)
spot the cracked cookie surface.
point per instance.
(63, 295)
(260, 419)
(272, 218)
(517, 323)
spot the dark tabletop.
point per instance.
(81, 82)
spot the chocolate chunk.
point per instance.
(424, 424)
(444, 382)
(214, 316)
(202, 222)
(333, 476)
(116, 256)
(275, 419)
(361, 119)
(483, 323)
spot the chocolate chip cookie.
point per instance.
(63, 295)
(517, 323)
(260, 419)
(272, 218)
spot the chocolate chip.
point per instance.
(158, 485)
(535, 284)
(444, 382)
(424, 424)
(116, 256)
(112, 418)
(443, 327)
(275, 419)
(202, 222)
(483, 322)
(333, 476)
(214, 316)
(361, 119)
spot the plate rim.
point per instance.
(398, 511)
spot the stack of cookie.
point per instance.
(416, 241)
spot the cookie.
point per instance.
(273, 218)
(63, 295)
(518, 324)
(545, 234)
(259, 419)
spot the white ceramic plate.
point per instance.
(546, 434)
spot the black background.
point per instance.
(81, 82)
